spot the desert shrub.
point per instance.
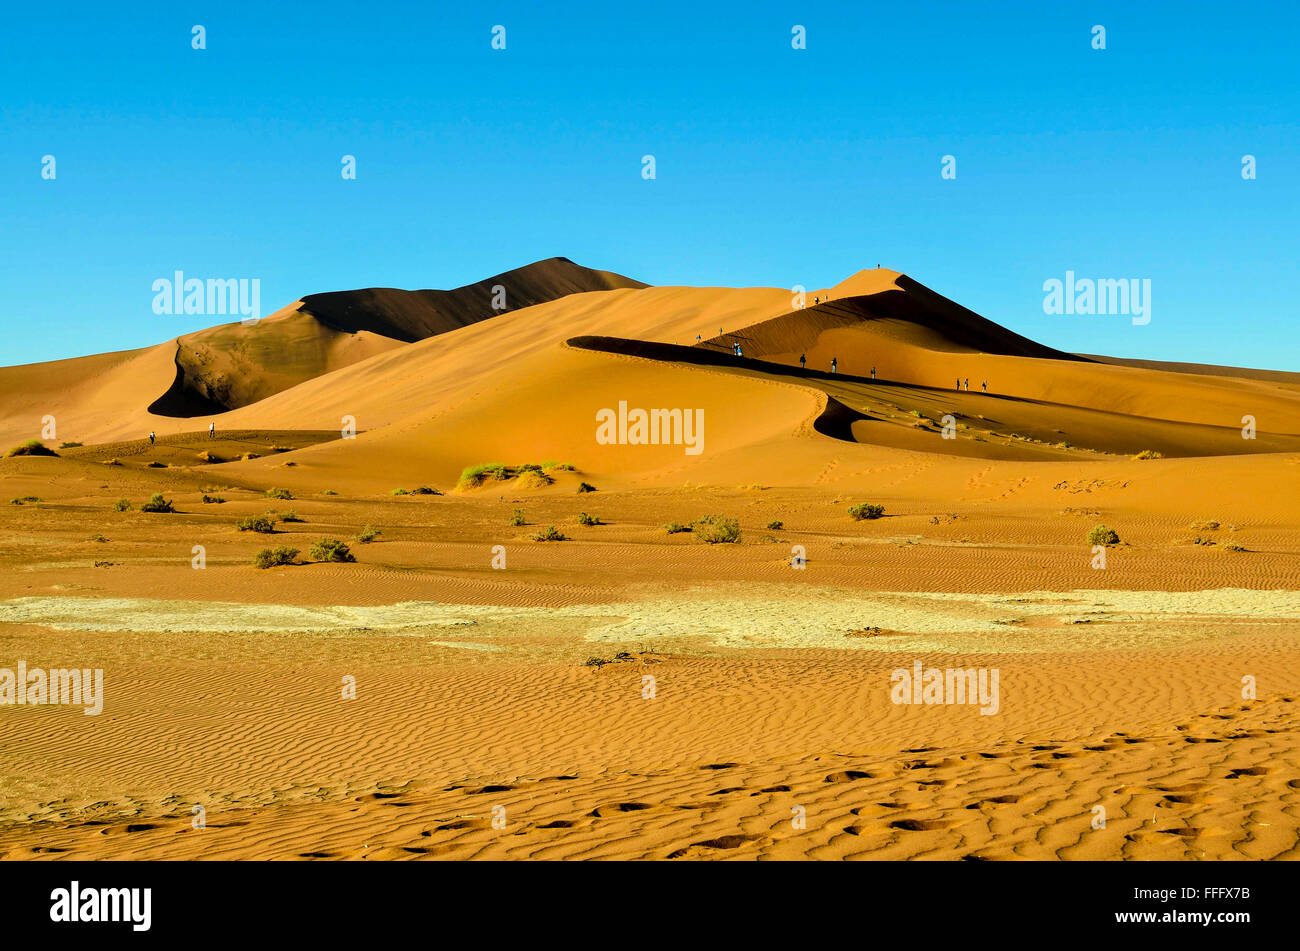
(1205, 526)
(122, 505)
(673, 528)
(1101, 535)
(720, 531)
(211, 499)
(368, 534)
(425, 490)
(561, 466)
(331, 549)
(517, 517)
(534, 479)
(32, 447)
(157, 503)
(256, 523)
(244, 457)
(291, 516)
(206, 456)
(471, 477)
(1234, 547)
(865, 510)
(585, 518)
(400, 492)
(549, 534)
(775, 525)
(585, 487)
(709, 519)
(270, 557)
(1149, 454)
(328, 492)
(279, 494)
(69, 445)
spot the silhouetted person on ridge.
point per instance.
(985, 384)
(151, 438)
(873, 373)
(967, 384)
(803, 361)
(834, 364)
(212, 430)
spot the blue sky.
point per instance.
(774, 166)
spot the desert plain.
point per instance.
(496, 676)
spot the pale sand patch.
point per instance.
(784, 617)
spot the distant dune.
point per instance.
(434, 385)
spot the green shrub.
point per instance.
(425, 490)
(1149, 454)
(32, 447)
(587, 519)
(400, 492)
(157, 503)
(720, 531)
(279, 494)
(211, 499)
(865, 510)
(256, 523)
(122, 505)
(1101, 535)
(368, 534)
(517, 517)
(673, 528)
(270, 557)
(331, 549)
(775, 525)
(549, 534)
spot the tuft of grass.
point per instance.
(271, 557)
(279, 494)
(1101, 535)
(865, 510)
(400, 492)
(1149, 454)
(775, 525)
(211, 499)
(517, 517)
(32, 447)
(585, 487)
(256, 523)
(328, 492)
(157, 503)
(368, 534)
(69, 445)
(97, 538)
(531, 475)
(674, 528)
(122, 505)
(549, 534)
(559, 466)
(291, 516)
(585, 518)
(720, 531)
(1234, 547)
(331, 549)
(425, 490)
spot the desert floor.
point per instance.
(481, 728)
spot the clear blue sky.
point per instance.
(775, 166)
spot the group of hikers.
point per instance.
(212, 433)
(965, 384)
